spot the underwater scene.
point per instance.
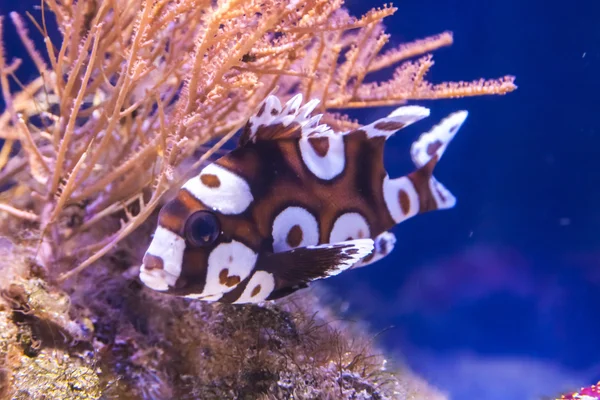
(299, 199)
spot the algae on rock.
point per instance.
(112, 338)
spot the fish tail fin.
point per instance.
(420, 191)
(434, 143)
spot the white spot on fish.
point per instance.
(349, 226)
(398, 119)
(259, 287)
(323, 155)
(197, 296)
(437, 139)
(221, 190)
(401, 198)
(442, 196)
(384, 244)
(228, 265)
(290, 223)
(169, 247)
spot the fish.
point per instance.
(295, 202)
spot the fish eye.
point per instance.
(202, 228)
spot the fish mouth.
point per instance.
(157, 279)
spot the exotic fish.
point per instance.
(293, 203)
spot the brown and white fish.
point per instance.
(293, 203)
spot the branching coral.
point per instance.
(137, 86)
(585, 393)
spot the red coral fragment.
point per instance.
(588, 393)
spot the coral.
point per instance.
(585, 393)
(136, 95)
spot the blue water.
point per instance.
(499, 298)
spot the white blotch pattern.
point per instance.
(332, 164)
(274, 113)
(236, 257)
(196, 296)
(439, 136)
(363, 248)
(391, 195)
(168, 246)
(350, 225)
(443, 198)
(232, 196)
(155, 279)
(267, 284)
(284, 222)
(384, 244)
(406, 115)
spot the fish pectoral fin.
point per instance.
(383, 245)
(305, 264)
(286, 291)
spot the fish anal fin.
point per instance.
(383, 245)
(305, 264)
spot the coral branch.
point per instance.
(29, 45)
(38, 166)
(25, 215)
(64, 145)
(5, 152)
(412, 49)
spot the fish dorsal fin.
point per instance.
(292, 120)
(400, 118)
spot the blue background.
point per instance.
(499, 297)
